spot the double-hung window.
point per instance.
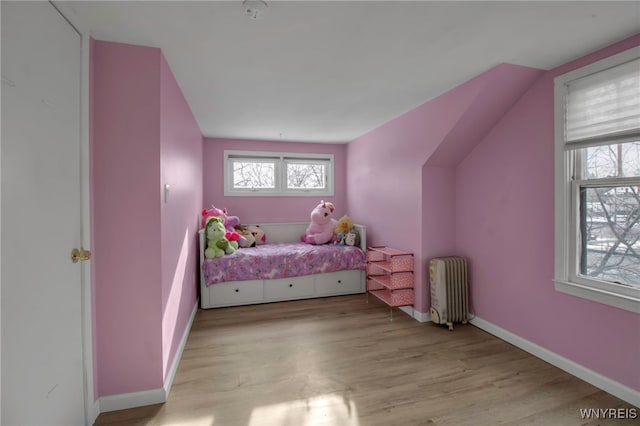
(597, 182)
(273, 173)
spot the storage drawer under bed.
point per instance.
(289, 288)
(340, 282)
(235, 293)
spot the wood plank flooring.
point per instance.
(341, 361)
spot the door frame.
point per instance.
(1, 244)
(92, 404)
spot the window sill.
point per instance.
(276, 194)
(628, 303)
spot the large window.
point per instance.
(598, 181)
(272, 173)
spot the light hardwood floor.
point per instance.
(341, 361)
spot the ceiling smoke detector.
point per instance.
(255, 9)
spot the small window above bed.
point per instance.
(251, 173)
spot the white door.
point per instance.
(42, 361)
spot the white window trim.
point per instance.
(565, 277)
(281, 160)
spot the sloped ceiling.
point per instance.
(499, 88)
(329, 71)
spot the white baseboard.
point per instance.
(93, 415)
(152, 396)
(608, 385)
(417, 315)
(130, 400)
(168, 381)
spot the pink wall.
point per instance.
(143, 136)
(181, 168)
(438, 219)
(402, 198)
(385, 175)
(270, 209)
(505, 225)
(126, 239)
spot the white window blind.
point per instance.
(604, 107)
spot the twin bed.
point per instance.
(282, 269)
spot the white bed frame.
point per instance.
(236, 293)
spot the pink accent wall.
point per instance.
(181, 168)
(126, 239)
(438, 222)
(271, 209)
(143, 136)
(397, 179)
(505, 226)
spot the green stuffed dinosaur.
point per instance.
(217, 244)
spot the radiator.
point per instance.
(449, 291)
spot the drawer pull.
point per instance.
(339, 281)
(290, 285)
(237, 291)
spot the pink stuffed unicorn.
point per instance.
(320, 230)
(212, 212)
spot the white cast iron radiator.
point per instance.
(449, 291)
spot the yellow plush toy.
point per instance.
(345, 224)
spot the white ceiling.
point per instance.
(329, 71)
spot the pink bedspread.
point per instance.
(282, 260)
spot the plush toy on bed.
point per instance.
(228, 221)
(232, 234)
(320, 230)
(212, 212)
(345, 224)
(258, 234)
(217, 244)
(352, 238)
(249, 239)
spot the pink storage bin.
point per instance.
(374, 256)
(375, 269)
(396, 264)
(399, 263)
(390, 260)
(395, 298)
(395, 281)
(374, 285)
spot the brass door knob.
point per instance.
(80, 254)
